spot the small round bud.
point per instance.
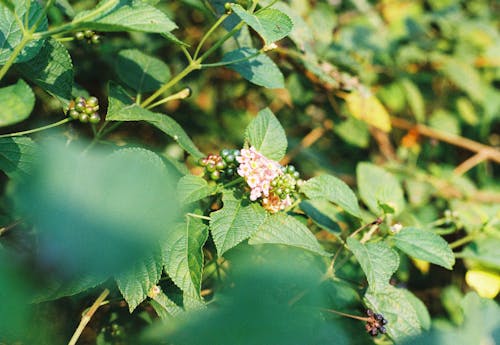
(210, 167)
(227, 6)
(92, 101)
(220, 165)
(202, 162)
(96, 39)
(94, 118)
(296, 175)
(74, 114)
(215, 175)
(88, 110)
(79, 99)
(79, 35)
(230, 158)
(88, 33)
(290, 169)
(225, 152)
(236, 153)
(80, 106)
(229, 172)
(84, 117)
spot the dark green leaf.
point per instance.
(334, 190)
(141, 72)
(321, 212)
(164, 306)
(378, 261)
(425, 245)
(124, 15)
(17, 156)
(236, 221)
(258, 69)
(281, 228)
(11, 33)
(52, 70)
(16, 103)
(193, 188)
(122, 108)
(266, 135)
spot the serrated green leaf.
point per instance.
(378, 261)
(135, 283)
(393, 303)
(141, 72)
(17, 156)
(164, 306)
(266, 134)
(193, 188)
(425, 245)
(183, 255)
(321, 212)
(415, 99)
(281, 228)
(236, 221)
(422, 313)
(123, 108)
(334, 190)
(11, 33)
(272, 25)
(16, 103)
(260, 70)
(377, 186)
(52, 70)
(69, 286)
(124, 15)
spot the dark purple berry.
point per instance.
(383, 321)
(382, 329)
(378, 317)
(374, 332)
(369, 312)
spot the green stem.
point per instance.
(233, 182)
(193, 215)
(465, 240)
(17, 50)
(186, 53)
(34, 130)
(346, 315)
(221, 41)
(225, 63)
(208, 33)
(266, 7)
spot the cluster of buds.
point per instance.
(267, 179)
(84, 110)
(375, 323)
(89, 35)
(220, 166)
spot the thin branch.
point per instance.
(470, 163)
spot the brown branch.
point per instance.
(470, 163)
(6, 228)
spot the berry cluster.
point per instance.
(220, 166)
(84, 110)
(375, 323)
(89, 35)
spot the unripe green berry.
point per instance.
(96, 108)
(79, 35)
(290, 169)
(74, 114)
(210, 167)
(84, 117)
(79, 99)
(227, 6)
(220, 165)
(230, 172)
(215, 175)
(296, 175)
(230, 158)
(94, 118)
(202, 162)
(88, 33)
(92, 101)
(224, 153)
(80, 106)
(95, 39)
(89, 110)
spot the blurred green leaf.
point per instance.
(354, 132)
(378, 261)
(122, 108)
(183, 255)
(52, 70)
(415, 99)
(483, 251)
(12, 34)
(281, 228)
(266, 134)
(124, 15)
(17, 156)
(368, 109)
(425, 245)
(260, 69)
(236, 221)
(141, 72)
(16, 103)
(334, 190)
(272, 25)
(377, 186)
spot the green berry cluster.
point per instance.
(89, 35)
(222, 165)
(285, 184)
(84, 110)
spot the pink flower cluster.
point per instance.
(259, 171)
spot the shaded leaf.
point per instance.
(193, 188)
(17, 156)
(321, 212)
(16, 103)
(266, 134)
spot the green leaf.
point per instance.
(141, 72)
(321, 212)
(334, 190)
(124, 15)
(122, 108)
(164, 306)
(183, 255)
(193, 188)
(69, 286)
(172, 38)
(260, 69)
(483, 251)
(17, 156)
(16, 103)
(236, 221)
(266, 135)
(10, 6)
(378, 261)
(425, 245)
(393, 303)
(52, 70)
(281, 228)
(135, 283)
(415, 99)
(272, 25)
(422, 313)
(11, 33)
(377, 186)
